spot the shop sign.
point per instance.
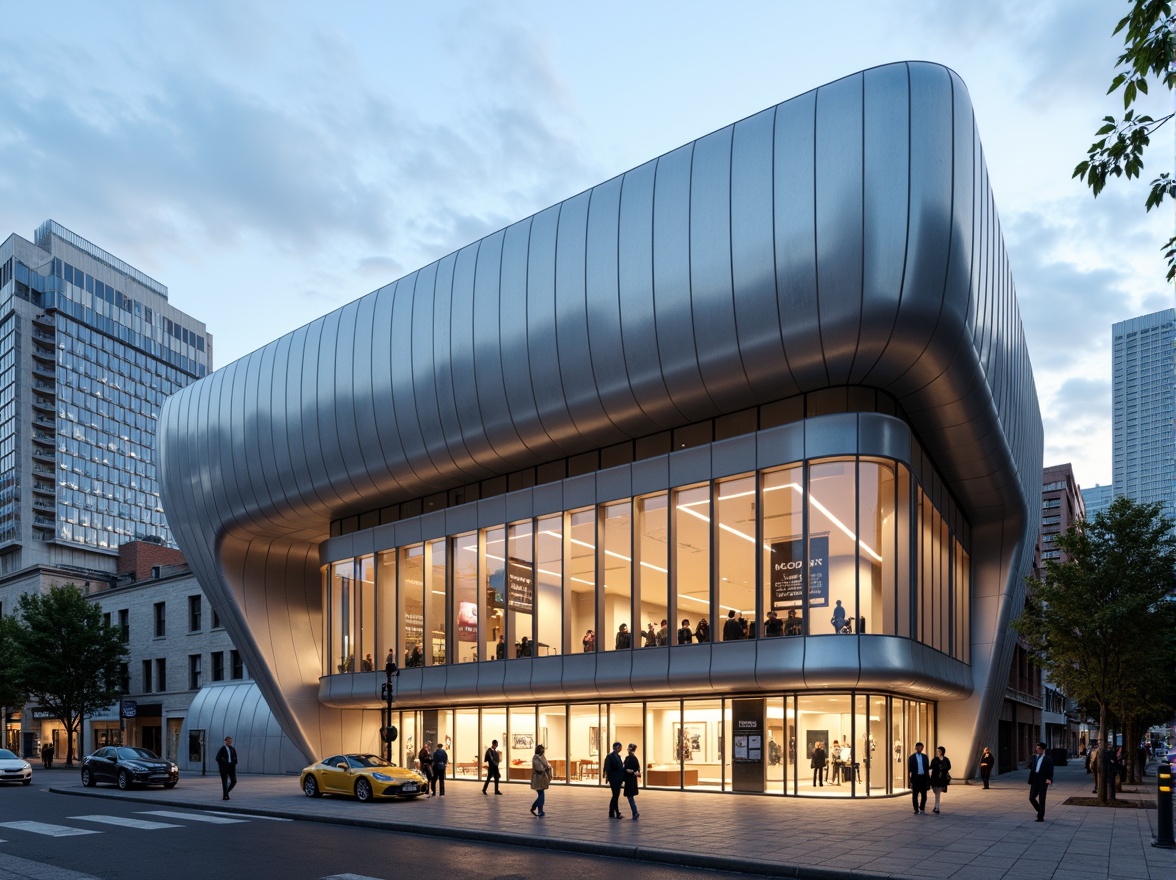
(129, 709)
(788, 566)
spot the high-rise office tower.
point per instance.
(89, 349)
(1144, 405)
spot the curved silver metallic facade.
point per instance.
(847, 237)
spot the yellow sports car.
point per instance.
(363, 776)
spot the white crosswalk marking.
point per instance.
(350, 877)
(251, 816)
(126, 822)
(193, 817)
(47, 829)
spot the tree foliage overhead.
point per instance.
(1101, 623)
(68, 656)
(1149, 38)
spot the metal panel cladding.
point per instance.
(845, 237)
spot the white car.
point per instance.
(14, 769)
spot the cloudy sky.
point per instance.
(269, 161)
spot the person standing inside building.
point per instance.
(684, 633)
(1040, 779)
(614, 772)
(987, 760)
(632, 777)
(773, 626)
(702, 631)
(440, 768)
(940, 774)
(838, 618)
(818, 764)
(732, 630)
(589, 642)
(624, 640)
(226, 762)
(492, 758)
(919, 778)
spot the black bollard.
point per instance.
(1164, 807)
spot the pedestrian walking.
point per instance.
(1040, 779)
(47, 755)
(492, 759)
(632, 777)
(919, 778)
(226, 762)
(440, 768)
(425, 759)
(614, 772)
(1094, 757)
(987, 760)
(540, 779)
(940, 774)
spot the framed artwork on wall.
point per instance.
(594, 741)
(690, 741)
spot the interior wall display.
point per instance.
(520, 586)
(593, 740)
(811, 738)
(788, 572)
(522, 741)
(690, 741)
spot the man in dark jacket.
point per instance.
(731, 628)
(919, 778)
(1040, 779)
(440, 768)
(614, 772)
(226, 762)
(492, 759)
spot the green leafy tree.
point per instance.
(1103, 618)
(12, 695)
(1149, 38)
(69, 656)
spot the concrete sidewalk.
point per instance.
(980, 835)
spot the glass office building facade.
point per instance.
(774, 380)
(89, 350)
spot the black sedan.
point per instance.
(127, 765)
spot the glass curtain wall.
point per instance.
(520, 589)
(435, 594)
(467, 751)
(412, 604)
(386, 608)
(585, 741)
(580, 551)
(650, 569)
(494, 571)
(616, 588)
(549, 617)
(465, 598)
(691, 560)
(784, 564)
(734, 541)
(553, 734)
(366, 613)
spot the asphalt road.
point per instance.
(45, 836)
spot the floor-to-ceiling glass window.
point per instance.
(342, 605)
(436, 597)
(553, 734)
(467, 751)
(784, 568)
(494, 572)
(663, 762)
(366, 622)
(520, 589)
(465, 598)
(691, 560)
(494, 728)
(616, 565)
(586, 725)
(905, 554)
(581, 556)
(412, 604)
(626, 725)
(734, 542)
(824, 722)
(408, 743)
(650, 567)
(963, 604)
(549, 623)
(387, 630)
(775, 746)
(833, 547)
(520, 747)
(699, 741)
(876, 547)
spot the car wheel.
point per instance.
(363, 790)
(124, 780)
(169, 785)
(87, 777)
(310, 787)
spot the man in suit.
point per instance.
(492, 759)
(1040, 779)
(614, 772)
(226, 762)
(440, 768)
(919, 778)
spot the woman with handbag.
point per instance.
(940, 774)
(540, 779)
(632, 775)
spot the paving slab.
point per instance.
(981, 835)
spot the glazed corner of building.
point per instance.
(832, 265)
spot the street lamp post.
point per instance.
(388, 693)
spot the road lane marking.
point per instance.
(126, 822)
(251, 816)
(194, 817)
(47, 829)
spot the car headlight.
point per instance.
(138, 768)
(382, 777)
(27, 767)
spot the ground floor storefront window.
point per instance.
(797, 744)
